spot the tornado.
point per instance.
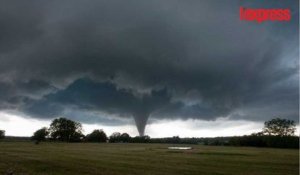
(141, 119)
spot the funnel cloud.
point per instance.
(141, 121)
(144, 60)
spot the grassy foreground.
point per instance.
(143, 159)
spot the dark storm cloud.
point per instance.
(147, 58)
(13, 94)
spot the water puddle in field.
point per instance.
(179, 148)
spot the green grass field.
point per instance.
(142, 159)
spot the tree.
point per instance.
(97, 136)
(63, 129)
(118, 137)
(2, 134)
(115, 137)
(40, 135)
(280, 127)
(125, 137)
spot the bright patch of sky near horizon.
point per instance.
(15, 125)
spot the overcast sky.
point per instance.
(187, 68)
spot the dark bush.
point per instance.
(97, 136)
(115, 137)
(140, 139)
(40, 135)
(125, 137)
(118, 137)
(2, 134)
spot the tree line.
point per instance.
(65, 130)
(276, 133)
(279, 133)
